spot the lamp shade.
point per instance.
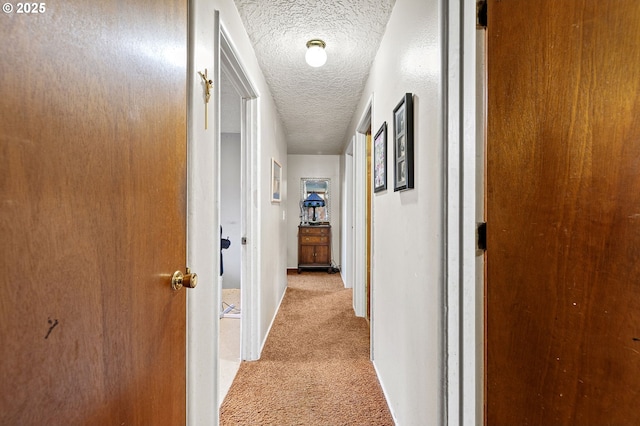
(316, 55)
(313, 200)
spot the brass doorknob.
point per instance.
(180, 280)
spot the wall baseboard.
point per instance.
(264, 342)
(384, 392)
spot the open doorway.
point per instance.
(238, 285)
(360, 218)
(230, 282)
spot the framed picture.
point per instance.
(380, 159)
(276, 179)
(403, 143)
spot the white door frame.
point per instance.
(463, 301)
(359, 207)
(249, 276)
(203, 235)
(348, 217)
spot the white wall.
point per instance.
(230, 212)
(313, 166)
(408, 227)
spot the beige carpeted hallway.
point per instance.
(315, 367)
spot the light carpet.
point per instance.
(315, 367)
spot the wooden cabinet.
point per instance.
(314, 247)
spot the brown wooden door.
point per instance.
(563, 206)
(92, 217)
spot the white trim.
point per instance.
(266, 336)
(250, 300)
(365, 120)
(471, 366)
(359, 221)
(480, 138)
(359, 231)
(464, 400)
(384, 392)
(348, 218)
(250, 277)
(452, 261)
(203, 237)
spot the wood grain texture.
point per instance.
(93, 194)
(563, 213)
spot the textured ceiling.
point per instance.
(316, 104)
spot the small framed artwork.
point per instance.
(380, 159)
(276, 180)
(403, 143)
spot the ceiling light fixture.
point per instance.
(316, 56)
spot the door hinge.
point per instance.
(243, 241)
(481, 14)
(481, 236)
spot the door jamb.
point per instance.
(202, 218)
(249, 325)
(348, 218)
(359, 186)
(463, 403)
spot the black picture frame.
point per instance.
(403, 143)
(380, 159)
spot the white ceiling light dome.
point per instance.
(316, 56)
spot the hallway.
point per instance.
(315, 367)
(133, 100)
